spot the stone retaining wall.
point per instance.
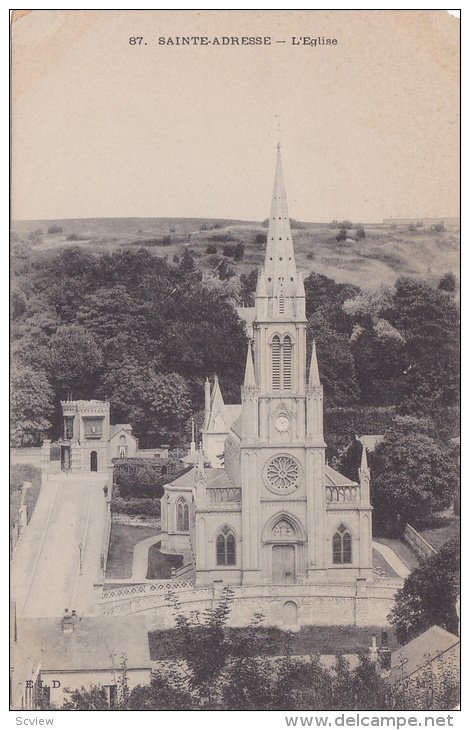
(417, 543)
(281, 606)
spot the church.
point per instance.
(261, 506)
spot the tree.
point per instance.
(414, 476)
(75, 360)
(54, 229)
(87, 699)
(335, 362)
(211, 248)
(31, 405)
(428, 319)
(187, 262)
(169, 406)
(360, 232)
(248, 288)
(448, 283)
(260, 239)
(428, 595)
(325, 296)
(342, 235)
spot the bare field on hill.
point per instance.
(386, 252)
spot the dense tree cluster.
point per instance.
(145, 333)
(127, 326)
(429, 595)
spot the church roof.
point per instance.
(237, 425)
(231, 414)
(215, 477)
(334, 479)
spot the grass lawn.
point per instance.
(379, 562)
(160, 565)
(275, 642)
(402, 550)
(445, 528)
(121, 548)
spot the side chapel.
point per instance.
(261, 506)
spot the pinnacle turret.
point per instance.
(250, 380)
(314, 374)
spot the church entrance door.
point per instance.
(283, 564)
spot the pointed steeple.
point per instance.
(192, 448)
(314, 374)
(364, 464)
(250, 380)
(279, 261)
(364, 477)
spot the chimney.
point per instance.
(373, 653)
(385, 655)
(67, 622)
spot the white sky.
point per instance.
(105, 129)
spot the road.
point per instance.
(59, 555)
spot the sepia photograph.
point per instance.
(235, 362)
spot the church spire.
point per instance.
(279, 262)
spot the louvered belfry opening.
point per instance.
(282, 363)
(287, 363)
(276, 363)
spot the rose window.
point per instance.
(282, 474)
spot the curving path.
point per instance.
(392, 559)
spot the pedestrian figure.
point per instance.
(105, 490)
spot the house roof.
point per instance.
(97, 642)
(334, 479)
(371, 440)
(427, 646)
(113, 430)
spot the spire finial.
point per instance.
(278, 120)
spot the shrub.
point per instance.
(136, 507)
(212, 248)
(54, 229)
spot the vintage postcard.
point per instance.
(235, 295)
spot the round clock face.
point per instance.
(282, 423)
(282, 474)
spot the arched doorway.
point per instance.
(283, 539)
(93, 461)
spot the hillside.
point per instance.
(388, 251)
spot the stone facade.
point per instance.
(273, 513)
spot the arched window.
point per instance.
(226, 547)
(122, 449)
(182, 516)
(342, 546)
(282, 363)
